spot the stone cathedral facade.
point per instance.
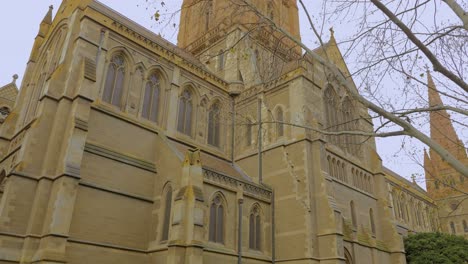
(124, 148)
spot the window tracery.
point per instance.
(216, 226)
(184, 124)
(152, 98)
(167, 214)
(254, 228)
(279, 119)
(114, 85)
(214, 125)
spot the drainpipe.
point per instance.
(273, 236)
(239, 233)
(233, 110)
(259, 117)
(101, 43)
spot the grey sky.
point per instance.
(20, 19)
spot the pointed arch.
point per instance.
(331, 112)
(279, 116)
(217, 219)
(186, 112)
(2, 184)
(167, 212)
(115, 79)
(348, 257)
(372, 221)
(221, 60)
(214, 124)
(452, 228)
(353, 214)
(255, 227)
(248, 132)
(56, 47)
(152, 97)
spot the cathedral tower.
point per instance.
(444, 184)
(235, 42)
(200, 17)
(441, 177)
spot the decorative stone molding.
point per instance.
(104, 152)
(221, 179)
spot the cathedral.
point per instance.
(120, 147)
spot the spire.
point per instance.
(48, 17)
(434, 96)
(46, 22)
(442, 130)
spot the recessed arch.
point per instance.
(255, 227)
(217, 218)
(186, 110)
(214, 123)
(119, 62)
(348, 257)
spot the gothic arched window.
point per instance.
(248, 133)
(331, 112)
(214, 125)
(353, 214)
(254, 229)
(279, 119)
(184, 116)
(216, 226)
(113, 88)
(4, 111)
(465, 226)
(167, 214)
(452, 228)
(55, 49)
(208, 12)
(372, 223)
(221, 60)
(270, 10)
(2, 184)
(151, 98)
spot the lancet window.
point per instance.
(152, 98)
(254, 228)
(114, 85)
(184, 123)
(214, 125)
(216, 226)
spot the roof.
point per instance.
(213, 163)
(405, 181)
(147, 33)
(10, 91)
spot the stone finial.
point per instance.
(413, 177)
(15, 77)
(332, 33)
(48, 17)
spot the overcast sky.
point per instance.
(20, 20)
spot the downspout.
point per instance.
(101, 43)
(233, 126)
(239, 233)
(273, 237)
(259, 116)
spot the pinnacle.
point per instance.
(48, 17)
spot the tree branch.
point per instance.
(432, 58)
(458, 10)
(407, 127)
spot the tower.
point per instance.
(441, 177)
(444, 184)
(237, 43)
(201, 17)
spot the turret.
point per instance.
(44, 28)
